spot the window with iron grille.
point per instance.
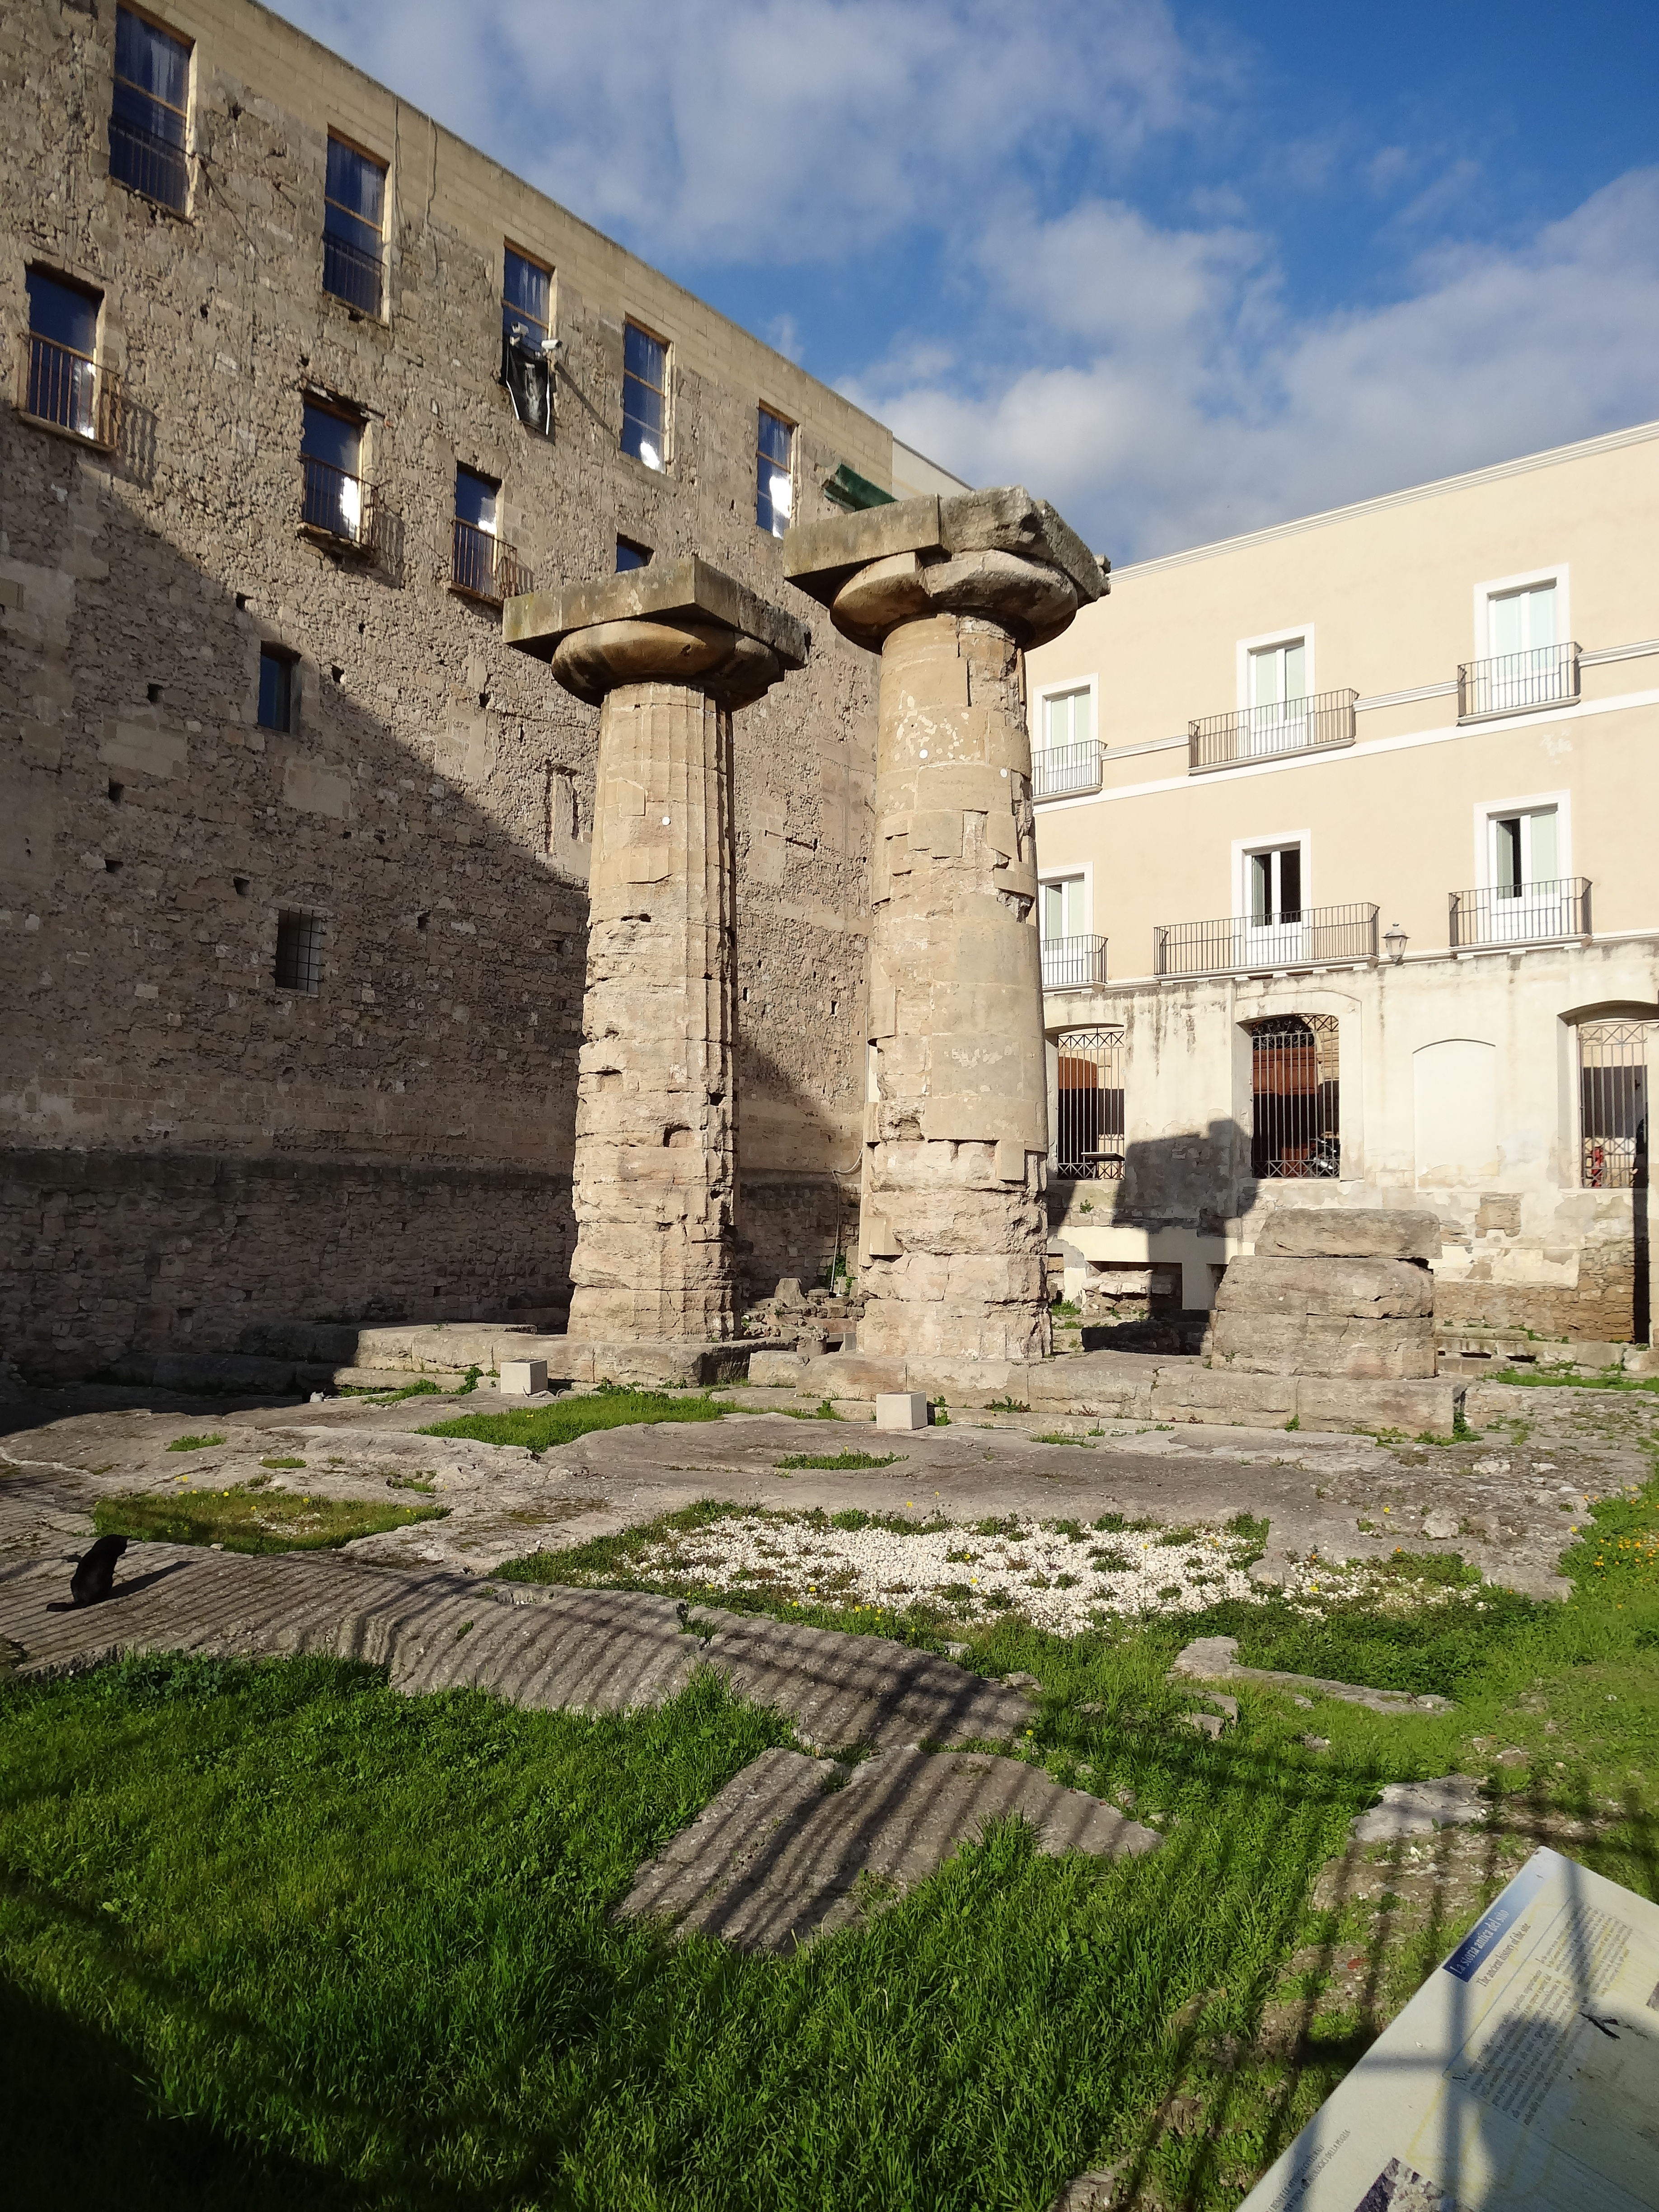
(330, 460)
(1612, 1081)
(645, 396)
(63, 379)
(149, 111)
(1295, 1118)
(1089, 1116)
(299, 952)
(353, 216)
(275, 688)
(774, 490)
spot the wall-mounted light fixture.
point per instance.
(1395, 937)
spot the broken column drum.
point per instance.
(954, 1224)
(666, 654)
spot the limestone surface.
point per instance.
(1360, 1318)
(1314, 1232)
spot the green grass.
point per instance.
(426, 1388)
(1529, 1378)
(282, 1462)
(845, 1462)
(194, 1444)
(250, 1518)
(542, 1427)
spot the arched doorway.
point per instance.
(1088, 1135)
(1296, 1121)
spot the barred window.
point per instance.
(1612, 1059)
(1089, 1132)
(354, 214)
(299, 952)
(147, 114)
(1296, 1102)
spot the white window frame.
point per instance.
(1494, 587)
(1487, 810)
(1291, 634)
(1075, 683)
(1084, 870)
(1282, 945)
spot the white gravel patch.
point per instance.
(1055, 1580)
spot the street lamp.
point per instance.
(1395, 937)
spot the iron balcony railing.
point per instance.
(1522, 915)
(1074, 964)
(337, 506)
(1064, 768)
(482, 567)
(71, 391)
(1292, 726)
(147, 163)
(1292, 939)
(351, 275)
(1546, 676)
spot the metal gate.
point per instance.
(1612, 1091)
(1089, 1131)
(1295, 1130)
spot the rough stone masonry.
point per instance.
(951, 592)
(666, 654)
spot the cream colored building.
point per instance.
(1346, 831)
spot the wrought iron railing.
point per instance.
(1074, 964)
(147, 163)
(1543, 676)
(1088, 1145)
(1523, 915)
(1292, 726)
(1296, 1098)
(335, 504)
(1612, 1097)
(71, 391)
(1064, 768)
(1292, 939)
(482, 567)
(351, 275)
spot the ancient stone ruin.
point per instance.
(667, 655)
(1332, 1291)
(949, 591)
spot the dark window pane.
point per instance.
(356, 185)
(774, 437)
(275, 690)
(60, 313)
(147, 112)
(475, 499)
(328, 437)
(1290, 884)
(351, 228)
(146, 59)
(298, 952)
(644, 373)
(526, 295)
(642, 357)
(631, 557)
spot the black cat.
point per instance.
(95, 1570)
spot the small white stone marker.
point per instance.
(523, 1379)
(901, 1409)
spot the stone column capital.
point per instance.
(683, 624)
(1001, 555)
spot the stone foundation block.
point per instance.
(1274, 1344)
(1366, 1290)
(1317, 1232)
(854, 1374)
(1203, 1394)
(1419, 1407)
(774, 1367)
(901, 1409)
(523, 1379)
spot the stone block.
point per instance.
(523, 1379)
(901, 1409)
(1418, 1408)
(1318, 1232)
(1319, 1344)
(774, 1368)
(1363, 1289)
(1207, 1394)
(854, 1375)
(686, 591)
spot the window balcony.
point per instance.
(1252, 733)
(1517, 682)
(482, 567)
(352, 275)
(69, 391)
(339, 509)
(1074, 964)
(1527, 913)
(1063, 769)
(1305, 938)
(149, 164)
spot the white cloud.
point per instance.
(1208, 408)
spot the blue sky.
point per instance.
(1183, 270)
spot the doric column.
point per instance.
(951, 592)
(666, 654)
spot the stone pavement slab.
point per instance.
(795, 1847)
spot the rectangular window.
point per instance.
(1274, 880)
(147, 114)
(354, 216)
(774, 490)
(630, 555)
(1067, 719)
(1524, 667)
(1525, 851)
(1062, 909)
(476, 562)
(298, 952)
(1613, 1104)
(330, 457)
(64, 383)
(526, 299)
(644, 398)
(1523, 621)
(275, 688)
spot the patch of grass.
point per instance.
(542, 1427)
(282, 1462)
(823, 1411)
(250, 1519)
(194, 1444)
(1529, 1378)
(1006, 1405)
(847, 1462)
(424, 1388)
(1054, 1437)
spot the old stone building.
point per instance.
(293, 854)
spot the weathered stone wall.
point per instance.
(434, 803)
